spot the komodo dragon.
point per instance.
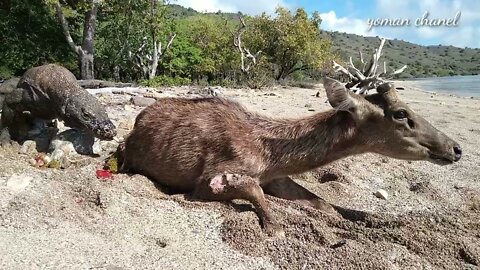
(51, 92)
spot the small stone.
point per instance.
(108, 146)
(58, 154)
(142, 101)
(47, 159)
(28, 147)
(128, 108)
(126, 123)
(382, 194)
(32, 162)
(272, 94)
(18, 183)
(97, 147)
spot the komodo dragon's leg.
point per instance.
(14, 124)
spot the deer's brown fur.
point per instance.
(220, 151)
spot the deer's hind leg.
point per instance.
(226, 187)
(288, 189)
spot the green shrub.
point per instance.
(165, 81)
(6, 73)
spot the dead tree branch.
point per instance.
(147, 62)
(369, 77)
(244, 52)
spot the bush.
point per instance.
(165, 81)
(5, 73)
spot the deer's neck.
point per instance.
(297, 146)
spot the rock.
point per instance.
(9, 85)
(272, 94)
(126, 123)
(108, 146)
(382, 194)
(142, 101)
(18, 183)
(81, 141)
(28, 147)
(97, 147)
(128, 108)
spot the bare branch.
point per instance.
(400, 70)
(244, 52)
(370, 77)
(363, 62)
(65, 28)
(339, 68)
(169, 43)
(376, 56)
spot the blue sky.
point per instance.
(351, 16)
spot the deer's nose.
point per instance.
(458, 152)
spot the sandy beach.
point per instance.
(69, 219)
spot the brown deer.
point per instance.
(219, 151)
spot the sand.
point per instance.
(69, 219)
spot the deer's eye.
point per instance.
(400, 115)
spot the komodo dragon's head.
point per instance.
(85, 112)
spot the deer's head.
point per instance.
(386, 125)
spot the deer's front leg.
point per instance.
(288, 189)
(226, 187)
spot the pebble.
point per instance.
(126, 123)
(28, 147)
(382, 194)
(142, 101)
(18, 183)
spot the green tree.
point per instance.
(292, 42)
(29, 37)
(85, 52)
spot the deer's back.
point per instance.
(176, 141)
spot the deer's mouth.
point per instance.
(438, 159)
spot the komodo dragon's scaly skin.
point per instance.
(49, 92)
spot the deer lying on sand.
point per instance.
(219, 151)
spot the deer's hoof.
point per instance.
(274, 231)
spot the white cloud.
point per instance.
(252, 7)
(331, 22)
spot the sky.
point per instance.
(353, 16)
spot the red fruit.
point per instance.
(104, 174)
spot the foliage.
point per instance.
(291, 42)
(163, 80)
(30, 36)
(203, 51)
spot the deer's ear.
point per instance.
(338, 95)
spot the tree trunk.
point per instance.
(88, 44)
(153, 69)
(85, 53)
(86, 66)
